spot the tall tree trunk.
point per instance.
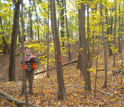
(36, 20)
(115, 32)
(79, 63)
(22, 41)
(5, 47)
(119, 48)
(13, 41)
(88, 35)
(104, 44)
(97, 62)
(67, 31)
(110, 32)
(93, 45)
(107, 32)
(48, 42)
(58, 22)
(122, 47)
(62, 20)
(84, 49)
(61, 88)
(30, 16)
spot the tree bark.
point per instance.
(84, 49)
(88, 35)
(104, 44)
(114, 55)
(80, 45)
(62, 20)
(30, 16)
(37, 20)
(122, 47)
(48, 42)
(119, 38)
(23, 52)
(13, 41)
(97, 62)
(110, 30)
(61, 87)
(67, 32)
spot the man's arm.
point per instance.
(21, 60)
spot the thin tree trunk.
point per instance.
(67, 31)
(22, 40)
(61, 87)
(93, 45)
(115, 32)
(97, 62)
(30, 16)
(6, 47)
(58, 3)
(88, 35)
(119, 48)
(48, 42)
(13, 41)
(79, 64)
(104, 44)
(122, 47)
(84, 49)
(107, 23)
(36, 20)
(62, 20)
(110, 30)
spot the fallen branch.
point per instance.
(6, 102)
(65, 64)
(13, 100)
(105, 93)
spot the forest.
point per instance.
(61, 53)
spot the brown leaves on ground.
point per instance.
(45, 91)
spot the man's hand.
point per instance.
(28, 59)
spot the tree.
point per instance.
(84, 50)
(121, 56)
(5, 47)
(22, 42)
(36, 20)
(61, 88)
(110, 32)
(30, 16)
(67, 32)
(115, 21)
(119, 38)
(88, 37)
(62, 20)
(104, 44)
(13, 41)
(48, 42)
(80, 45)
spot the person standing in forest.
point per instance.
(30, 65)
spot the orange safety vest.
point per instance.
(33, 64)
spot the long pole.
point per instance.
(24, 73)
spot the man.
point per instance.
(29, 69)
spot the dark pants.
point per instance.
(30, 77)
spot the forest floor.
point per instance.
(45, 89)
